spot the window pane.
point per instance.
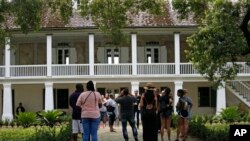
(204, 97)
(109, 60)
(149, 59)
(62, 98)
(60, 55)
(156, 55)
(116, 60)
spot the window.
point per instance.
(109, 56)
(63, 56)
(113, 56)
(152, 54)
(61, 98)
(206, 97)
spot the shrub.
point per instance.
(26, 119)
(231, 114)
(50, 117)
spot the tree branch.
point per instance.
(244, 28)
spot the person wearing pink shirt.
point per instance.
(89, 101)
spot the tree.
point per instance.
(27, 14)
(222, 36)
(110, 16)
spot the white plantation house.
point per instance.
(40, 69)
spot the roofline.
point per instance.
(94, 27)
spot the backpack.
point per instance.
(110, 109)
(183, 107)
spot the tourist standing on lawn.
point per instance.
(166, 110)
(90, 101)
(112, 111)
(183, 108)
(76, 112)
(126, 102)
(148, 105)
(103, 112)
(136, 108)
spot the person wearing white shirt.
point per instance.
(112, 110)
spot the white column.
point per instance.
(49, 97)
(74, 3)
(7, 102)
(177, 52)
(134, 86)
(134, 53)
(49, 54)
(91, 54)
(221, 98)
(177, 85)
(7, 56)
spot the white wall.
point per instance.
(30, 95)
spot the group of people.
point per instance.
(157, 110)
(90, 107)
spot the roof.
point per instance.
(142, 19)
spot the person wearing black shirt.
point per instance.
(148, 106)
(76, 114)
(136, 108)
(126, 102)
(20, 109)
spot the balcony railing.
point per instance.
(113, 69)
(155, 68)
(70, 69)
(28, 70)
(187, 68)
(106, 69)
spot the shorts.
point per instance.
(111, 119)
(77, 126)
(103, 115)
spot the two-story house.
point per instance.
(40, 69)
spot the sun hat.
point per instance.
(149, 86)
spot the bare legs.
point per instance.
(166, 122)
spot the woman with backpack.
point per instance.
(148, 104)
(183, 109)
(166, 110)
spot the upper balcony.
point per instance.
(115, 70)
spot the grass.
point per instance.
(16, 132)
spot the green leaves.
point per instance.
(50, 117)
(26, 119)
(111, 16)
(218, 40)
(27, 14)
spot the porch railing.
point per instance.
(155, 68)
(113, 69)
(107, 69)
(187, 68)
(70, 69)
(28, 70)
